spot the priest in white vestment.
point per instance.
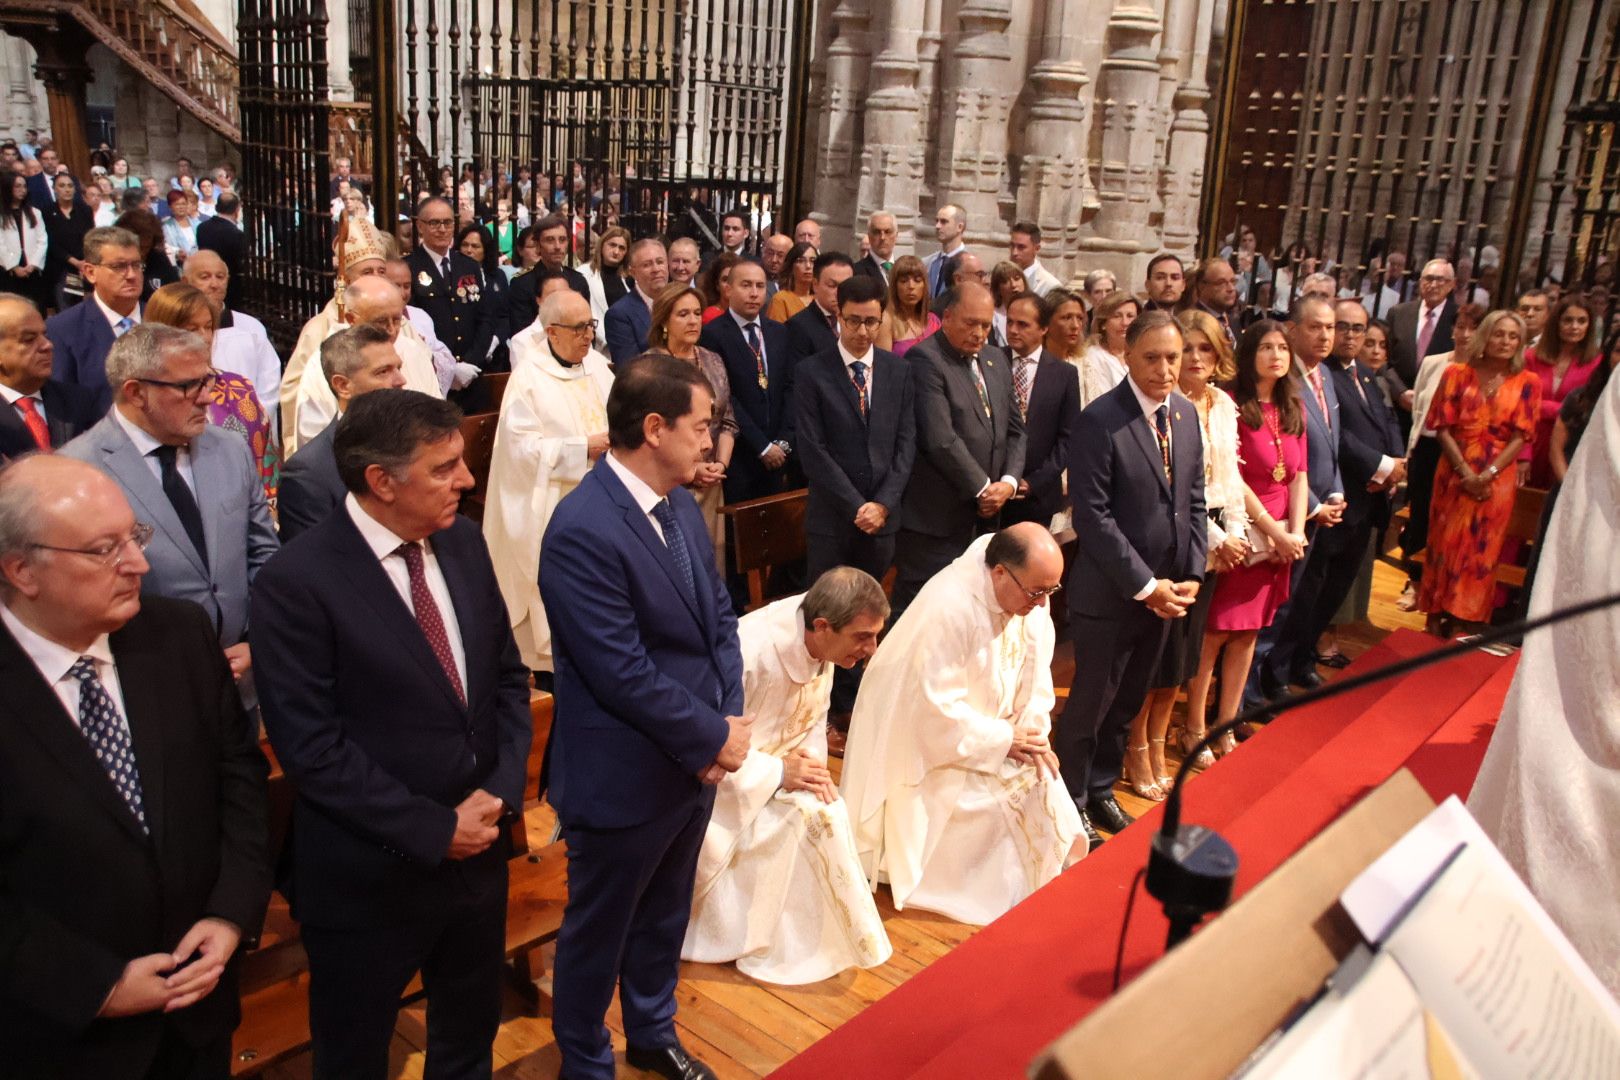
(1548, 792)
(780, 888)
(948, 772)
(552, 428)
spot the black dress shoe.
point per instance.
(1337, 661)
(1106, 813)
(1309, 680)
(672, 1061)
(1094, 838)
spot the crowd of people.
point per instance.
(1205, 482)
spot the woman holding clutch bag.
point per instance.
(1271, 454)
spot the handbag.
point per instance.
(1260, 546)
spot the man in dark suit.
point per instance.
(136, 859)
(388, 610)
(355, 361)
(882, 231)
(445, 284)
(1214, 287)
(523, 298)
(1048, 398)
(815, 329)
(649, 692)
(84, 333)
(1136, 482)
(1422, 327)
(970, 443)
(629, 320)
(36, 411)
(759, 365)
(857, 431)
(223, 235)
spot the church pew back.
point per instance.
(766, 533)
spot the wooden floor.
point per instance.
(743, 1028)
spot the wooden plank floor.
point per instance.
(744, 1028)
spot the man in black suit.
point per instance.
(970, 443)
(222, 234)
(445, 284)
(1166, 281)
(389, 609)
(857, 432)
(136, 859)
(815, 329)
(355, 361)
(882, 231)
(1136, 482)
(1422, 327)
(1214, 285)
(1048, 398)
(759, 365)
(36, 411)
(523, 298)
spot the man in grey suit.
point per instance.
(970, 443)
(197, 485)
(355, 361)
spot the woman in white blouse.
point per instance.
(1103, 367)
(1206, 359)
(22, 244)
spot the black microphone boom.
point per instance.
(1191, 869)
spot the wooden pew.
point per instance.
(478, 447)
(765, 533)
(275, 977)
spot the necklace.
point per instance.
(1274, 424)
(1204, 403)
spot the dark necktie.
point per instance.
(429, 618)
(1161, 424)
(181, 498)
(857, 374)
(104, 729)
(832, 323)
(675, 540)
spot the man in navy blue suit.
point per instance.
(395, 699)
(759, 364)
(1136, 482)
(83, 334)
(815, 329)
(630, 318)
(36, 411)
(649, 697)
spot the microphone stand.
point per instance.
(1191, 868)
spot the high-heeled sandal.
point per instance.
(1189, 739)
(1165, 781)
(1224, 745)
(1149, 790)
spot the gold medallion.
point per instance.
(764, 383)
(1278, 472)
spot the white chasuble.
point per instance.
(314, 404)
(779, 886)
(940, 811)
(548, 414)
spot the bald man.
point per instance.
(371, 299)
(241, 343)
(363, 256)
(36, 411)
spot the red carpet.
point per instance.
(991, 1005)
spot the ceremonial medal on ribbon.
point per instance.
(423, 280)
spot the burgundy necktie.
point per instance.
(429, 618)
(1426, 335)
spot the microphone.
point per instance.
(1191, 868)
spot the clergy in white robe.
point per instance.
(241, 344)
(948, 772)
(552, 428)
(531, 345)
(1548, 792)
(780, 888)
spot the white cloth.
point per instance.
(54, 661)
(646, 498)
(31, 241)
(531, 344)
(1040, 280)
(940, 812)
(1548, 792)
(1100, 372)
(780, 888)
(547, 415)
(1423, 388)
(1223, 480)
(444, 361)
(244, 348)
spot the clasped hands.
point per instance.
(1171, 599)
(709, 473)
(169, 981)
(994, 497)
(476, 818)
(1033, 748)
(733, 753)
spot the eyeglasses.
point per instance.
(1035, 595)
(1350, 327)
(121, 268)
(190, 388)
(436, 223)
(588, 326)
(1436, 279)
(855, 322)
(110, 555)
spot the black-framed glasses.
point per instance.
(1436, 279)
(110, 555)
(855, 322)
(588, 326)
(436, 223)
(120, 268)
(1350, 327)
(190, 388)
(1035, 595)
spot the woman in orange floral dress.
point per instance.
(1484, 412)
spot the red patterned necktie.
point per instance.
(429, 618)
(35, 423)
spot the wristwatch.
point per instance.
(1492, 472)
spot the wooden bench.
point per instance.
(478, 447)
(274, 976)
(1524, 525)
(766, 533)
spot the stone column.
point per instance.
(927, 84)
(338, 80)
(1183, 185)
(1054, 182)
(975, 101)
(893, 157)
(59, 50)
(1128, 83)
(837, 176)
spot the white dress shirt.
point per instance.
(55, 661)
(145, 444)
(850, 358)
(113, 318)
(13, 396)
(385, 545)
(646, 498)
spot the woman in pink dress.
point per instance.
(1271, 460)
(1563, 360)
(906, 318)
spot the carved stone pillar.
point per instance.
(338, 78)
(60, 45)
(928, 84)
(1128, 83)
(837, 171)
(1054, 186)
(1187, 38)
(893, 157)
(975, 102)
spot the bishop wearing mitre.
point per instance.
(779, 884)
(552, 428)
(949, 775)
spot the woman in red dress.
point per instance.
(1484, 412)
(1271, 459)
(1562, 361)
